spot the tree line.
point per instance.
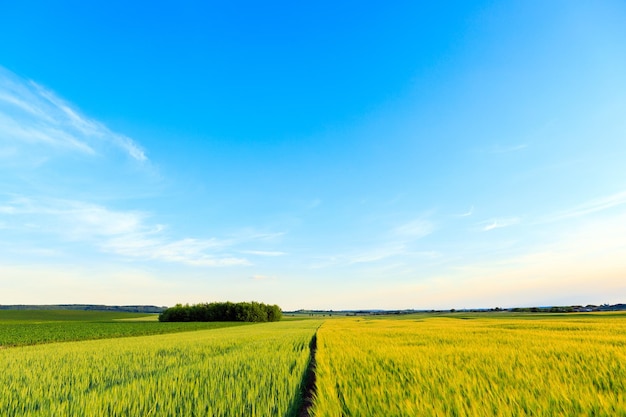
(224, 311)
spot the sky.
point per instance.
(325, 155)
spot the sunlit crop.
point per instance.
(253, 370)
(553, 366)
(460, 365)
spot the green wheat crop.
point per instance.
(253, 370)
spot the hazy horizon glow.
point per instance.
(320, 156)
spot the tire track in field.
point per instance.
(309, 387)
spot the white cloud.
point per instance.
(8, 209)
(21, 131)
(314, 204)
(579, 265)
(583, 263)
(263, 252)
(376, 254)
(468, 213)
(32, 116)
(74, 219)
(396, 243)
(262, 278)
(500, 223)
(589, 207)
(415, 229)
(364, 256)
(188, 251)
(125, 233)
(431, 254)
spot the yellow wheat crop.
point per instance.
(553, 366)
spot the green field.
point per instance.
(460, 364)
(35, 316)
(253, 370)
(28, 327)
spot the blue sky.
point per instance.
(323, 155)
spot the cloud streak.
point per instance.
(500, 223)
(260, 278)
(589, 207)
(397, 242)
(32, 116)
(125, 233)
(415, 229)
(365, 256)
(264, 253)
(468, 213)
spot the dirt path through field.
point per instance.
(309, 381)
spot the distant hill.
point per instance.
(543, 309)
(85, 307)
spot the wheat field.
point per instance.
(548, 366)
(237, 371)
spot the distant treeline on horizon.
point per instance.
(151, 309)
(543, 309)
(86, 307)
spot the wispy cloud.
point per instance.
(263, 252)
(499, 223)
(584, 262)
(31, 115)
(415, 229)
(376, 254)
(251, 234)
(188, 251)
(398, 242)
(262, 278)
(589, 207)
(364, 256)
(125, 233)
(467, 213)
(314, 204)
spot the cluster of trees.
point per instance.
(251, 312)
